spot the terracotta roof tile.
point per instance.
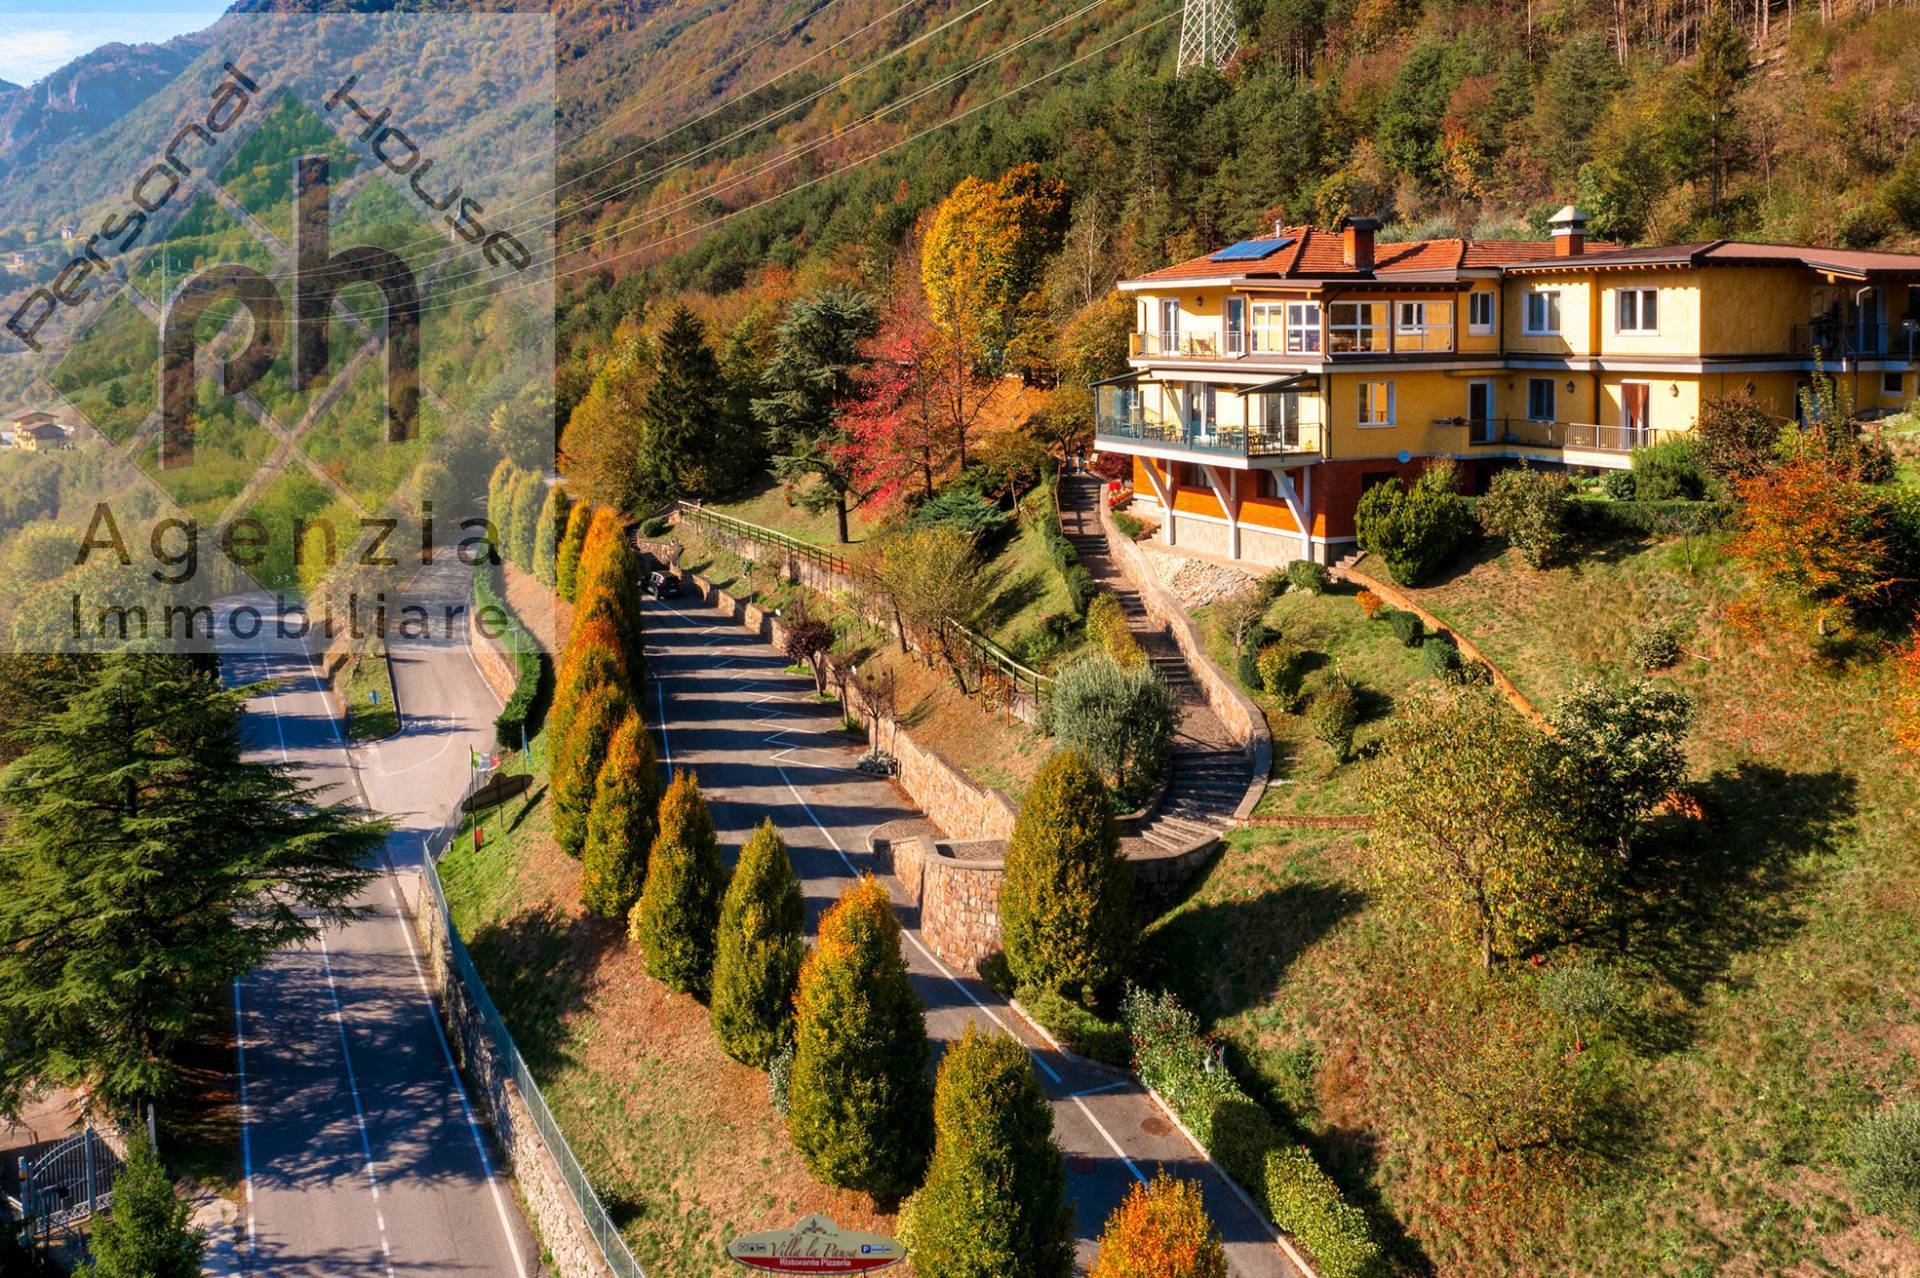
(1318, 254)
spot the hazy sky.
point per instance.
(36, 39)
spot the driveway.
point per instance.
(763, 748)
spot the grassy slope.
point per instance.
(682, 1169)
(367, 674)
(1775, 993)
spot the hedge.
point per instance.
(519, 716)
(1174, 1059)
(1066, 560)
(1603, 519)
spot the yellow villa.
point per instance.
(1273, 381)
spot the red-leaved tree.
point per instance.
(895, 435)
(1906, 699)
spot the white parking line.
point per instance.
(359, 1115)
(246, 1116)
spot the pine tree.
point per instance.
(546, 543)
(1161, 1231)
(147, 1234)
(679, 910)
(859, 1100)
(576, 767)
(566, 565)
(620, 824)
(146, 865)
(757, 955)
(681, 415)
(1065, 905)
(994, 1203)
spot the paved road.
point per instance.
(762, 749)
(360, 1151)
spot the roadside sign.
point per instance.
(815, 1245)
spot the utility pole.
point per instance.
(1208, 37)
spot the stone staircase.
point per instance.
(1209, 772)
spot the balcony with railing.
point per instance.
(1834, 340)
(1525, 432)
(1367, 337)
(1120, 418)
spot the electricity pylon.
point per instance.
(1207, 35)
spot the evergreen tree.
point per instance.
(146, 865)
(1065, 904)
(994, 1203)
(859, 1100)
(500, 487)
(682, 414)
(620, 824)
(546, 542)
(757, 956)
(595, 655)
(1713, 85)
(147, 1234)
(522, 517)
(576, 767)
(609, 577)
(566, 565)
(1161, 1231)
(808, 380)
(679, 909)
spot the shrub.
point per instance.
(859, 1100)
(1121, 718)
(962, 507)
(655, 528)
(1107, 626)
(1619, 485)
(551, 525)
(1282, 667)
(1603, 519)
(576, 768)
(1129, 527)
(1654, 647)
(621, 822)
(1307, 576)
(1736, 436)
(1529, 508)
(1626, 744)
(1417, 530)
(1246, 665)
(1307, 1204)
(1369, 603)
(780, 1078)
(1334, 713)
(1271, 586)
(1582, 994)
(566, 562)
(1173, 1058)
(514, 723)
(1077, 1027)
(1885, 1149)
(679, 909)
(1161, 1230)
(1080, 587)
(1406, 626)
(1066, 899)
(1442, 657)
(994, 1202)
(757, 955)
(149, 1233)
(1669, 470)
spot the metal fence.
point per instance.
(486, 1019)
(68, 1183)
(1016, 687)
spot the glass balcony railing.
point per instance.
(1832, 339)
(1123, 424)
(1495, 432)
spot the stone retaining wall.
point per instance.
(959, 901)
(1233, 707)
(495, 663)
(950, 799)
(556, 1218)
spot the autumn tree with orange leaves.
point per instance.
(1906, 698)
(1813, 532)
(896, 435)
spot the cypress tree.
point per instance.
(679, 909)
(595, 655)
(523, 513)
(620, 824)
(576, 768)
(757, 956)
(546, 544)
(147, 1234)
(566, 562)
(609, 577)
(145, 865)
(859, 1100)
(994, 1204)
(1161, 1230)
(1065, 904)
(500, 488)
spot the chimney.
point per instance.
(1356, 241)
(1569, 232)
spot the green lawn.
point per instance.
(1767, 957)
(367, 691)
(769, 506)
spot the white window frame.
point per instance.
(1410, 317)
(1636, 299)
(1267, 322)
(1303, 321)
(1375, 333)
(1475, 300)
(1553, 399)
(1227, 331)
(1363, 400)
(1549, 299)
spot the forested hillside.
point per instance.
(1668, 121)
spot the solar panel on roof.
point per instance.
(1250, 250)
